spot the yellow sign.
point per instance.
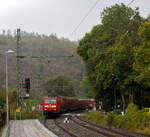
(18, 110)
(148, 111)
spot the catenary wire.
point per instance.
(90, 12)
(130, 2)
(85, 16)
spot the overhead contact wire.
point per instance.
(130, 2)
(85, 16)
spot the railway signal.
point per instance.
(27, 85)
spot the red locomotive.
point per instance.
(54, 105)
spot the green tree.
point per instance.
(142, 63)
(142, 55)
(59, 86)
(87, 89)
(107, 52)
(122, 69)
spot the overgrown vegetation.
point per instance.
(134, 120)
(30, 110)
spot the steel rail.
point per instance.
(65, 130)
(93, 129)
(48, 127)
(107, 128)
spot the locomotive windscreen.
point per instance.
(50, 101)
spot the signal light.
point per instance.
(27, 84)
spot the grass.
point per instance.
(134, 120)
(26, 115)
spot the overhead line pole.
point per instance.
(19, 53)
(43, 57)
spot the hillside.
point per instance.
(39, 70)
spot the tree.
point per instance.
(59, 86)
(41, 45)
(142, 62)
(86, 88)
(142, 55)
(122, 68)
(107, 52)
(120, 19)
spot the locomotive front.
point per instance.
(50, 105)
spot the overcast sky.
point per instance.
(59, 17)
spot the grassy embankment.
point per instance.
(134, 120)
(28, 111)
(26, 115)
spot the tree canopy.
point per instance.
(115, 56)
(59, 86)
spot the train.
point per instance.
(57, 105)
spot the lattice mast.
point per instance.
(19, 67)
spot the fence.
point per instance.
(2, 120)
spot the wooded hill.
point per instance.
(39, 70)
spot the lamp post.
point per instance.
(6, 53)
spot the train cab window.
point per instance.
(50, 101)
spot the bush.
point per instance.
(117, 111)
(95, 116)
(26, 115)
(109, 119)
(134, 120)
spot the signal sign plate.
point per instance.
(18, 110)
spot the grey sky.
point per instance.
(57, 16)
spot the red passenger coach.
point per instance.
(54, 105)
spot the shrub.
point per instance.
(134, 120)
(95, 116)
(109, 119)
(117, 111)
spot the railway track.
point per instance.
(61, 129)
(78, 127)
(55, 126)
(100, 130)
(65, 130)
(97, 127)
